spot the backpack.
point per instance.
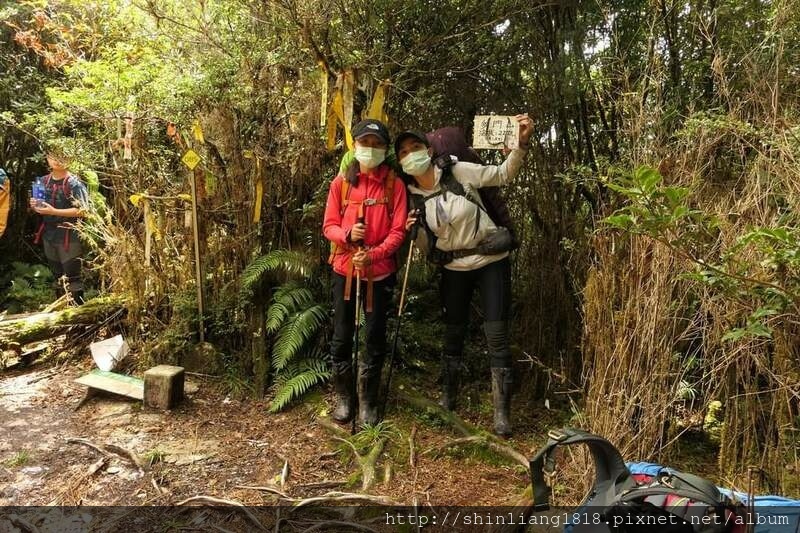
(63, 186)
(5, 200)
(450, 146)
(350, 180)
(668, 502)
(451, 141)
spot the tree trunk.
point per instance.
(41, 326)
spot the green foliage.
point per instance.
(288, 297)
(654, 209)
(287, 261)
(296, 320)
(370, 435)
(664, 214)
(296, 379)
(755, 326)
(296, 331)
(20, 458)
(30, 288)
(154, 455)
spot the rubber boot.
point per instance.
(368, 385)
(77, 297)
(451, 378)
(343, 386)
(501, 398)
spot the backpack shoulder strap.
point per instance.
(450, 183)
(610, 468)
(344, 195)
(388, 192)
(418, 202)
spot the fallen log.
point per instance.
(41, 326)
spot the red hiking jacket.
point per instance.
(383, 236)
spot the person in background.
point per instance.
(65, 201)
(5, 200)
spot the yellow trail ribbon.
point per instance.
(376, 110)
(323, 105)
(148, 230)
(338, 109)
(330, 135)
(259, 193)
(197, 131)
(347, 97)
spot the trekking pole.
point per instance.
(360, 220)
(400, 306)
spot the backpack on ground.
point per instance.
(667, 502)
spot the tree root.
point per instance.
(109, 449)
(271, 490)
(338, 523)
(23, 524)
(367, 462)
(345, 496)
(481, 440)
(471, 434)
(210, 500)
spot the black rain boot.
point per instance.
(501, 398)
(343, 386)
(77, 297)
(368, 385)
(451, 378)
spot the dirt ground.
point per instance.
(213, 445)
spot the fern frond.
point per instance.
(289, 261)
(289, 298)
(293, 335)
(276, 315)
(20, 284)
(298, 385)
(293, 295)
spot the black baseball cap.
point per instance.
(371, 127)
(410, 134)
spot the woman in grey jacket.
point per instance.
(463, 237)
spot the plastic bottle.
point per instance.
(38, 190)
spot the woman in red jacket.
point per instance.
(364, 219)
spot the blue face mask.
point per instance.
(370, 157)
(416, 163)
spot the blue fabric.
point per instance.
(776, 513)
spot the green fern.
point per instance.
(307, 374)
(20, 284)
(296, 332)
(289, 298)
(371, 434)
(289, 261)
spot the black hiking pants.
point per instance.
(494, 284)
(371, 359)
(65, 261)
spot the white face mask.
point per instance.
(370, 157)
(416, 163)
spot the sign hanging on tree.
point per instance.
(493, 132)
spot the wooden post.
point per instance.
(163, 386)
(197, 266)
